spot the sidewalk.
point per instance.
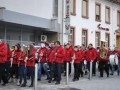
(111, 83)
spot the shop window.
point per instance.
(107, 38)
(97, 39)
(84, 37)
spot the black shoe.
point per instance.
(57, 83)
(49, 81)
(31, 85)
(23, 85)
(3, 84)
(74, 79)
(39, 79)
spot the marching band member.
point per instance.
(3, 58)
(30, 65)
(22, 68)
(103, 55)
(118, 54)
(42, 52)
(77, 61)
(8, 62)
(51, 62)
(91, 56)
(15, 63)
(59, 59)
(112, 67)
(69, 52)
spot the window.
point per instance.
(98, 12)
(55, 8)
(107, 38)
(85, 9)
(71, 37)
(118, 18)
(107, 15)
(73, 7)
(84, 37)
(97, 39)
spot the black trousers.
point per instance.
(58, 71)
(3, 76)
(103, 65)
(7, 69)
(76, 71)
(80, 69)
(52, 70)
(93, 67)
(15, 71)
(65, 64)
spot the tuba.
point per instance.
(103, 51)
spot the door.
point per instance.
(118, 41)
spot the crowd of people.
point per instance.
(17, 64)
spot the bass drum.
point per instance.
(113, 59)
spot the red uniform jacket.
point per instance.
(22, 58)
(51, 57)
(9, 55)
(60, 54)
(118, 53)
(3, 53)
(78, 57)
(16, 57)
(31, 59)
(44, 51)
(91, 54)
(85, 55)
(68, 54)
(114, 52)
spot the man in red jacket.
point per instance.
(92, 54)
(3, 59)
(69, 52)
(51, 62)
(59, 57)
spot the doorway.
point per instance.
(118, 41)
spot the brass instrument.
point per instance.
(103, 51)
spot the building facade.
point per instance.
(93, 21)
(25, 21)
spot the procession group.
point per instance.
(18, 62)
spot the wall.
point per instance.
(39, 8)
(91, 24)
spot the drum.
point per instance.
(113, 59)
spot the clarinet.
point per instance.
(12, 58)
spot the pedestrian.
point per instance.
(69, 52)
(3, 58)
(77, 60)
(15, 63)
(104, 54)
(91, 56)
(59, 59)
(42, 52)
(51, 62)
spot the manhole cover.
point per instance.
(70, 89)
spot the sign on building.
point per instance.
(67, 24)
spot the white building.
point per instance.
(95, 20)
(24, 21)
(91, 21)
